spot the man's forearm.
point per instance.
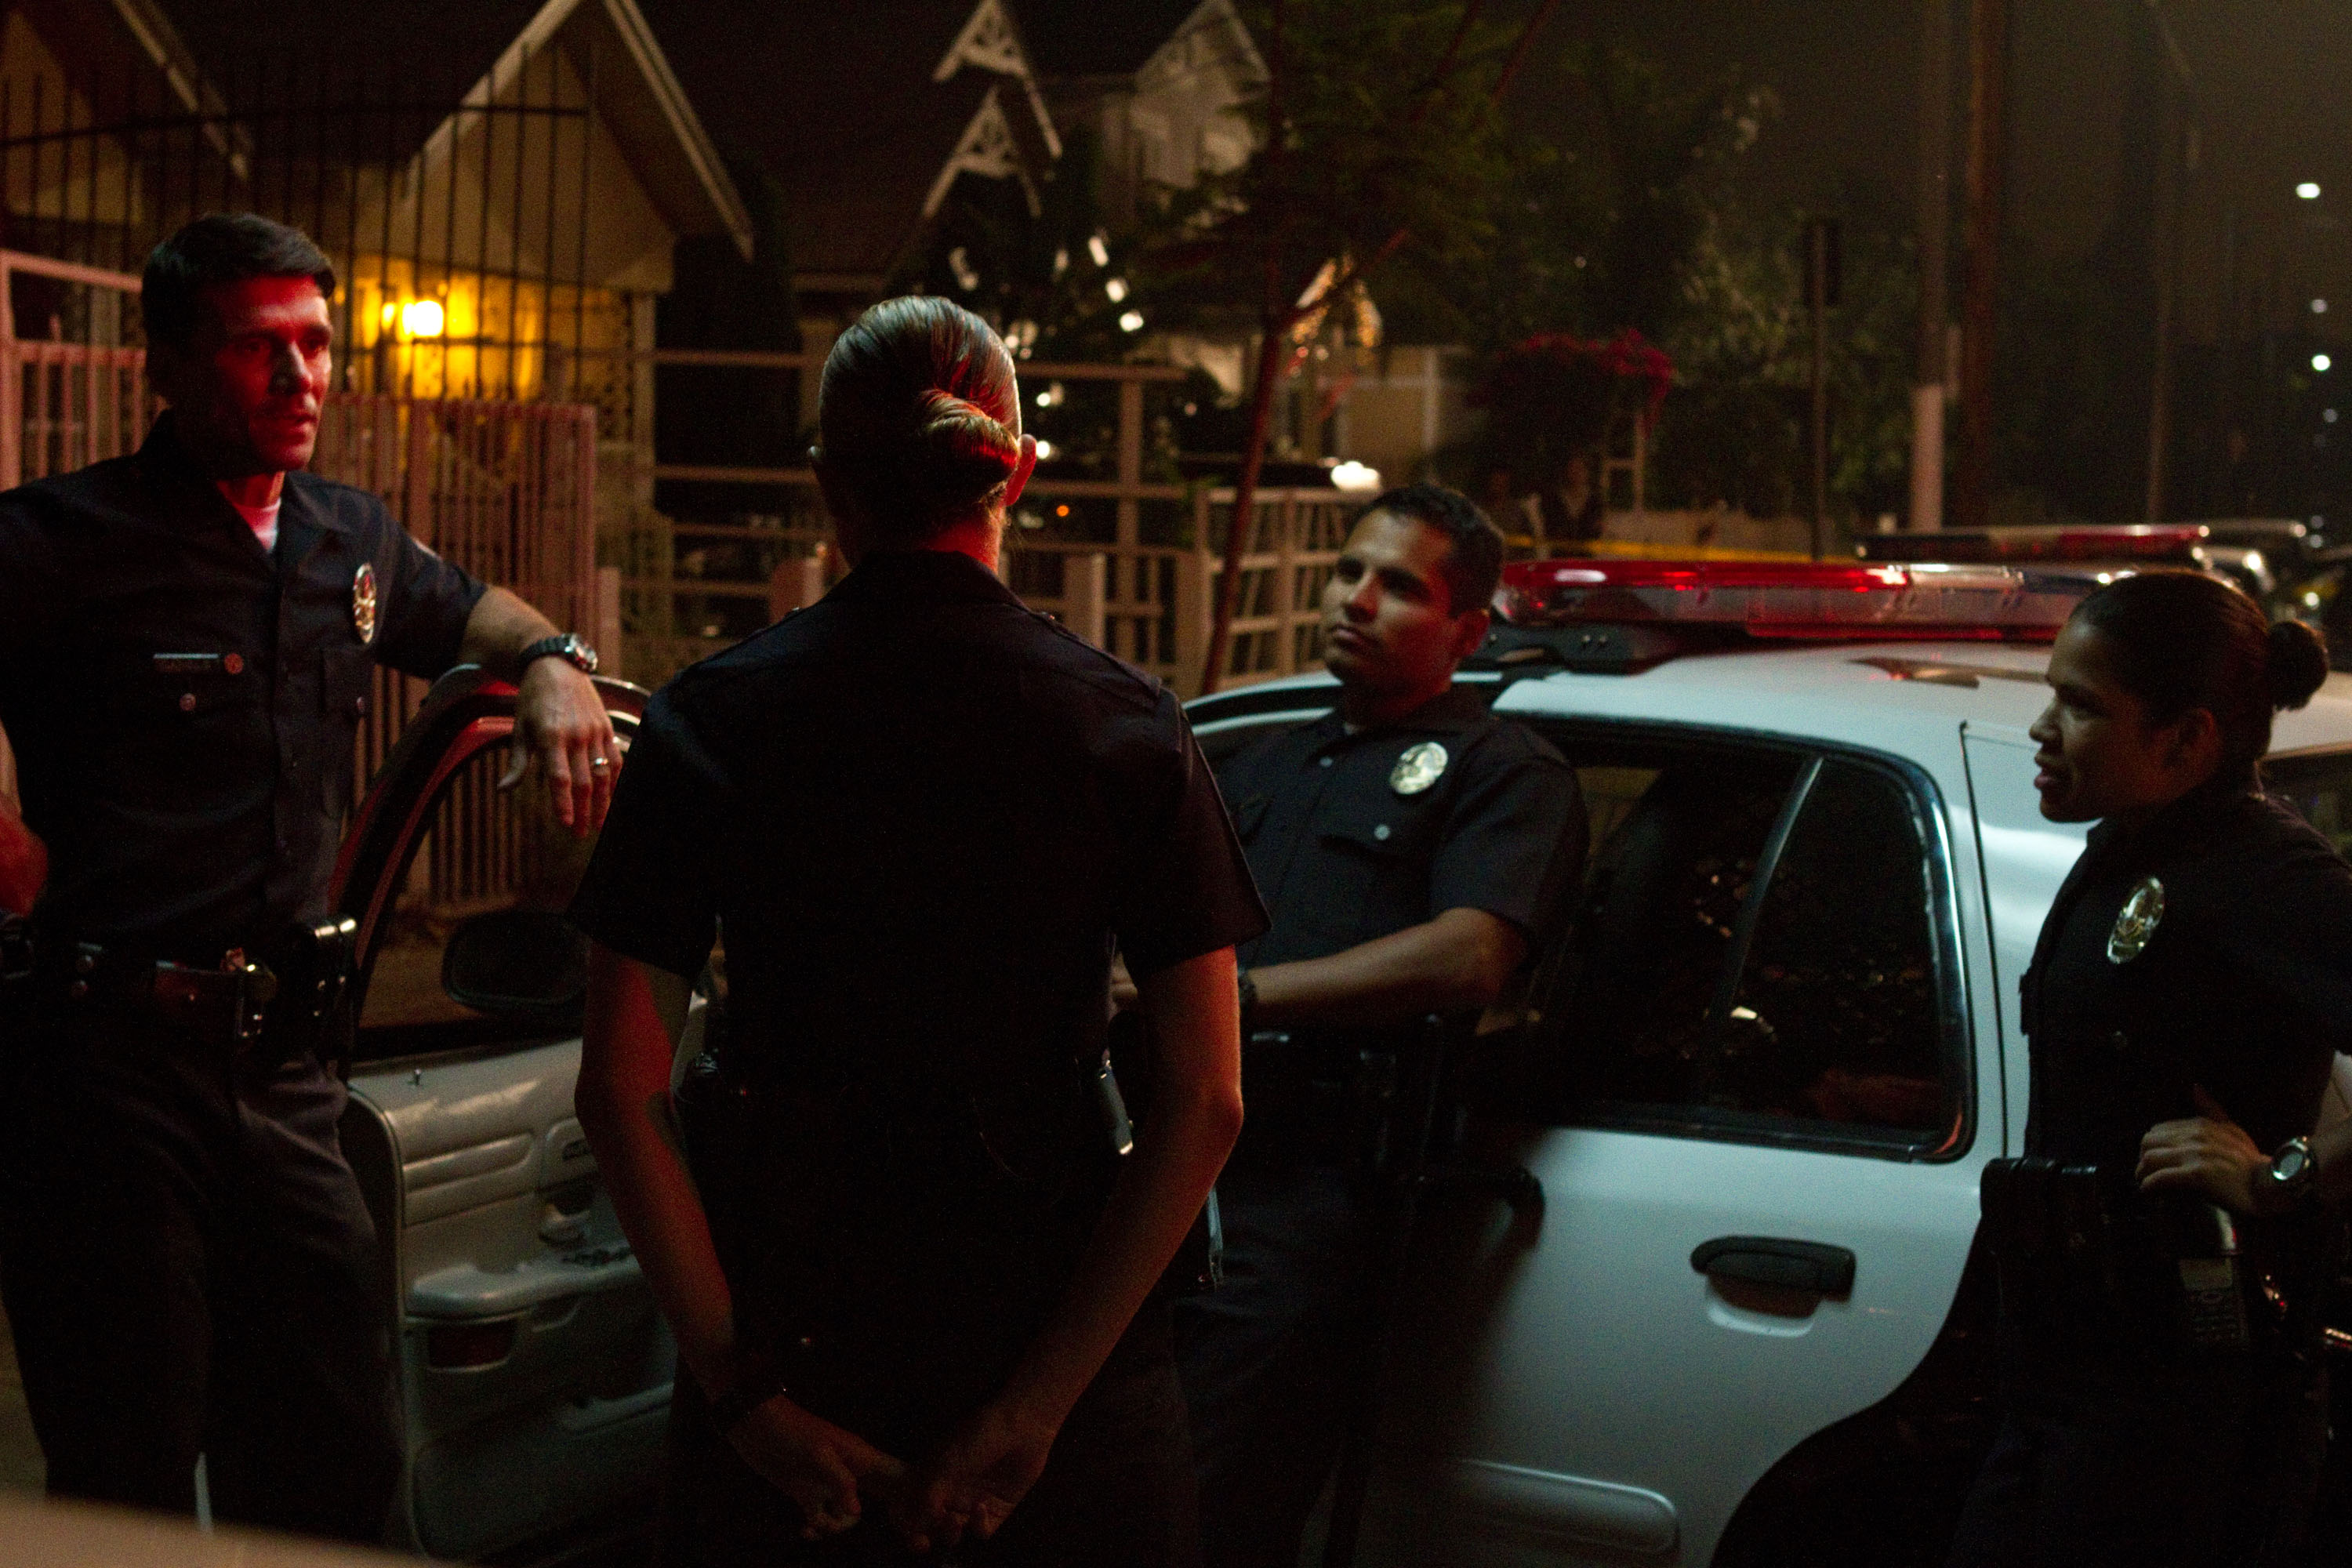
(500, 626)
(1454, 963)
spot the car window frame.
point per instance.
(1956, 1042)
(465, 713)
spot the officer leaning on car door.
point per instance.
(1405, 846)
(187, 640)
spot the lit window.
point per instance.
(1101, 250)
(1116, 288)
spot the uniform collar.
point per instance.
(2184, 817)
(921, 577)
(1449, 713)
(167, 459)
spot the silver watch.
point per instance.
(570, 647)
(2293, 1172)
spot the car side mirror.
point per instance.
(530, 965)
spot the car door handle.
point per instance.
(1771, 1260)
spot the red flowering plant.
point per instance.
(1552, 402)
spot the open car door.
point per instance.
(534, 1373)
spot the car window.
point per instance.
(483, 851)
(1836, 1017)
(1756, 952)
(1678, 833)
(2319, 786)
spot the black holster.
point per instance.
(2087, 1261)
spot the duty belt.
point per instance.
(287, 996)
(2084, 1257)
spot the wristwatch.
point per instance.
(570, 647)
(2293, 1173)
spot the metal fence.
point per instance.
(462, 216)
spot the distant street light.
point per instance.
(2319, 307)
(1132, 321)
(422, 318)
(2308, 190)
(2320, 363)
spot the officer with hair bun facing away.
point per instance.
(2162, 1399)
(910, 1278)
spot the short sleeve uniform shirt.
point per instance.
(922, 816)
(1354, 835)
(2243, 984)
(183, 703)
(923, 813)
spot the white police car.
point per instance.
(1765, 1052)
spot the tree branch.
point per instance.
(1281, 313)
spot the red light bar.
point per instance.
(2073, 542)
(1819, 601)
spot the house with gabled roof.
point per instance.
(1162, 84)
(868, 122)
(501, 183)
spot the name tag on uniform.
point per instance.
(198, 664)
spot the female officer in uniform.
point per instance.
(908, 1266)
(2153, 1357)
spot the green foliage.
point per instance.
(1387, 126)
(1735, 427)
(1599, 212)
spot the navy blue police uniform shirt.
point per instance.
(2243, 986)
(1345, 848)
(923, 814)
(183, 704)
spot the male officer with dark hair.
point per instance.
(186, 638)
(1405, 846)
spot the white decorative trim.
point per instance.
(988, 41)
(987, 148)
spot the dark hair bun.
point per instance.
(962, 452)
(2298, 663)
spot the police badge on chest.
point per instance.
(2136, 922)
(363, 602)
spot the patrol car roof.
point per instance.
(1872, 695)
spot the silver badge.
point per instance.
(1419, 768)
(363, 602)
(2136, 922)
